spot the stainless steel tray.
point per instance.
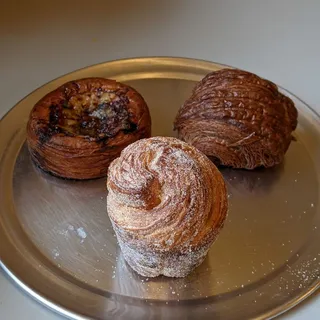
(57, 243)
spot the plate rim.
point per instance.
(208, 65)
(140, 58)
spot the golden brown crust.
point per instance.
(76, 130)
(167, 202)
(238, 119)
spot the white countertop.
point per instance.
(41, 40)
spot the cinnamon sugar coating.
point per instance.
(167, 203)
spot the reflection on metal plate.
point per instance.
(57, 240)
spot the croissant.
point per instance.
(167, 203)
(76, 130)
(238, 119)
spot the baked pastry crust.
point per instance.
(238, 119)
(76, 130)
(167, 203)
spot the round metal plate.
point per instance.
(58, 244)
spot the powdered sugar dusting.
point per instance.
(172, 184)
(306, 272)
(152, 264)
(81, 233)
(70, 227)
(55, 253)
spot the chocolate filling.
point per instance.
(96, 115)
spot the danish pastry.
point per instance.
(76, 130)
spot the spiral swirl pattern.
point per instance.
(238, 119)
(167, 203)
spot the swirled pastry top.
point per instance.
(167, 194)
(238, 118)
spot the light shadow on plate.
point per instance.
(258, 181)
(161, 288)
